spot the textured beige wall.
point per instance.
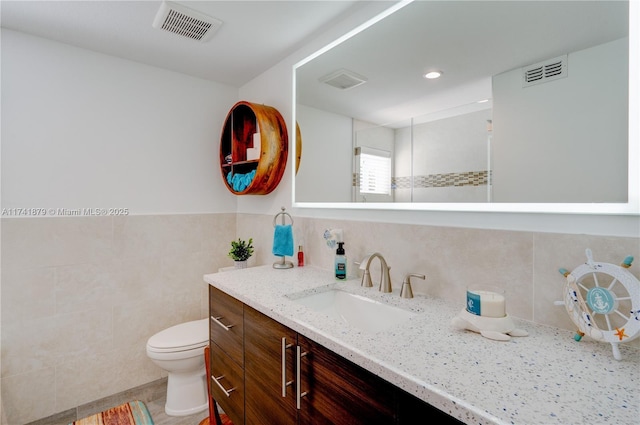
(81, 296)
(524, 263)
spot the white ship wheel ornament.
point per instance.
(603, 300)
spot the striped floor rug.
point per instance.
(132, 413)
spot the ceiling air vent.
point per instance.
(185, 22)
(545, 71)
(343, 79)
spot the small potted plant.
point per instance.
(240, 252)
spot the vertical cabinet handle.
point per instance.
(299, 392)
(217, 381)
(217, 321)
(285, 383)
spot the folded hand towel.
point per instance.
(283, 240)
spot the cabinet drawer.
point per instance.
(227, 384)
(226, 325)
(341, 392)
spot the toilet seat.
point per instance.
(183, 337)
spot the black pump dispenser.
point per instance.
(341, 262)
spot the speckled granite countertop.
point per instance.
(545, 378)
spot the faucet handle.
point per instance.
(406, 291)
(362, 265)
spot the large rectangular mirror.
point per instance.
(535, 109)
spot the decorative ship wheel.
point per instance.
(603, 300)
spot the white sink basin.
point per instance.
(355, 310)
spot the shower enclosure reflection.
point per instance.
(562, 138)
(433, 158)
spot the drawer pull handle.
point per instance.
(217, 320)
(299, 392)
(285, 383)
(216, 380)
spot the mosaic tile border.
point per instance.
(467, 178)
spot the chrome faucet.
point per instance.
(385, 279)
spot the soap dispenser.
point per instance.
(341, 262)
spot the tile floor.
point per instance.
(153, 395)
(156, 409)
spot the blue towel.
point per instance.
(283, 240)
(239, 182)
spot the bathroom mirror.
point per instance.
(562, 142)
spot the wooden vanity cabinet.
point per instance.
(334, 390)
(340, 392)
(411, 407)
(226, 335)
(264, 403)
(337, 391)
(227, 384)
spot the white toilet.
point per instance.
(180, 351)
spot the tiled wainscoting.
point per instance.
(81, 296)
(524, 263)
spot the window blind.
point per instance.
(375, 170)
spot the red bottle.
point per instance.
(300, 257)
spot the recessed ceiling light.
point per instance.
(433, 75)
(483, 101)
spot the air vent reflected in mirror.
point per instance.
(343, 79)
(542, 72)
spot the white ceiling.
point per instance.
(469, 40)
(255, 35)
